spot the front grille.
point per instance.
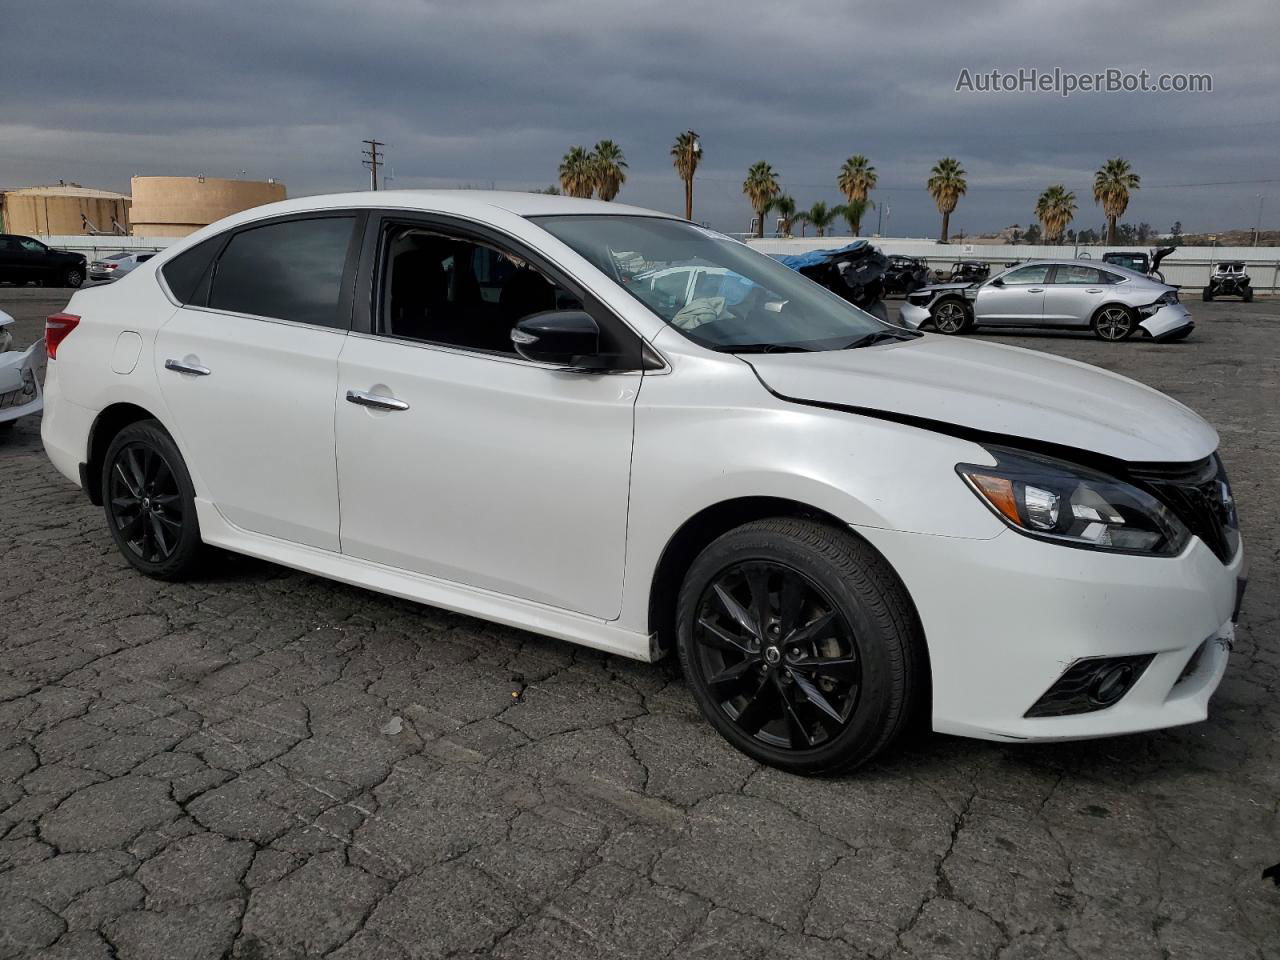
(1200, 496)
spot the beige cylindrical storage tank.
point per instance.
(177, 206)
(63, 210)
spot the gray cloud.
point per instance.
(494, 92)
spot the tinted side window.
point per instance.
(1032, 274)
(289, 271)
(1074, 273)
(187, 274)
(460, 292)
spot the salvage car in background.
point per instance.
(20, 375)
(854, 272)
(117, 265)
(964, 271)
(837, 524)
(1114, 302)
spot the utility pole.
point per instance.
(1258, 227)
(372, 160)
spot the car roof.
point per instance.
(1096, 264)
(460, 202)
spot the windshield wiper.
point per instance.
(763, 348)
(879, 336)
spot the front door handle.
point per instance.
(1036, 290)
(190, 369)
(1094, 290)
(376, 401)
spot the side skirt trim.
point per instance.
(521, 614)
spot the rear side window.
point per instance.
(289, 271)
(187, 274)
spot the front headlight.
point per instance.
(1073, 505)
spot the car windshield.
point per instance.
(716, 291)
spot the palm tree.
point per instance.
(685, 154)
(785, 207)
(577, 176)
(854, 211)
(820, 216)
(855, 181)
(609, 169)
(946, 185)
(1054, 209)
(1111, 186)
(761, 186)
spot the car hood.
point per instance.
(996, 389)
(958, 285)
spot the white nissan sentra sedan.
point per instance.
(468, 400)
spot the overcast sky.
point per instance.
(493, 92)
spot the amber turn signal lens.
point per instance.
(999, 493)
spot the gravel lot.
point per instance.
(264, 764)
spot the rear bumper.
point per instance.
(1005, 618)
(64, 429)
(1167, 321)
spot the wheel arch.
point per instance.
(712, 521)
(113, 418)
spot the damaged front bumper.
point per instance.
(1168, 321)
(21, 372)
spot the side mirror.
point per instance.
(997, 282)
(569, 338)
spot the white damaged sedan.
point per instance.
(1112, 301)
(20, 393)
(615, 427)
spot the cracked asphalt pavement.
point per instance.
(263, 764)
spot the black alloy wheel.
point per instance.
(145, 503)
(777, 655)
(150, 503)
(800, 645)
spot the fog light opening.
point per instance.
(1111, 684)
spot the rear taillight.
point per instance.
(56, 329)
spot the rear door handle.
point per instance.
(376, 401)
(190, 369)
(1036, 290)
(1094, 290)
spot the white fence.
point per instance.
(95, 247)
(1185, 267)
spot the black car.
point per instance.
(1138, 261)
(24, 259)
(905, 274)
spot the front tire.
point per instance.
(800, 645)
(1248, 294)
(150, 502)
(1115, 323)
(1206, 294)
(951, 317)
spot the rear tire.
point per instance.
(1114, 322)
(1206, 294)
(150, 502)
(951, 317)
(1248, 294)
(815, 664)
